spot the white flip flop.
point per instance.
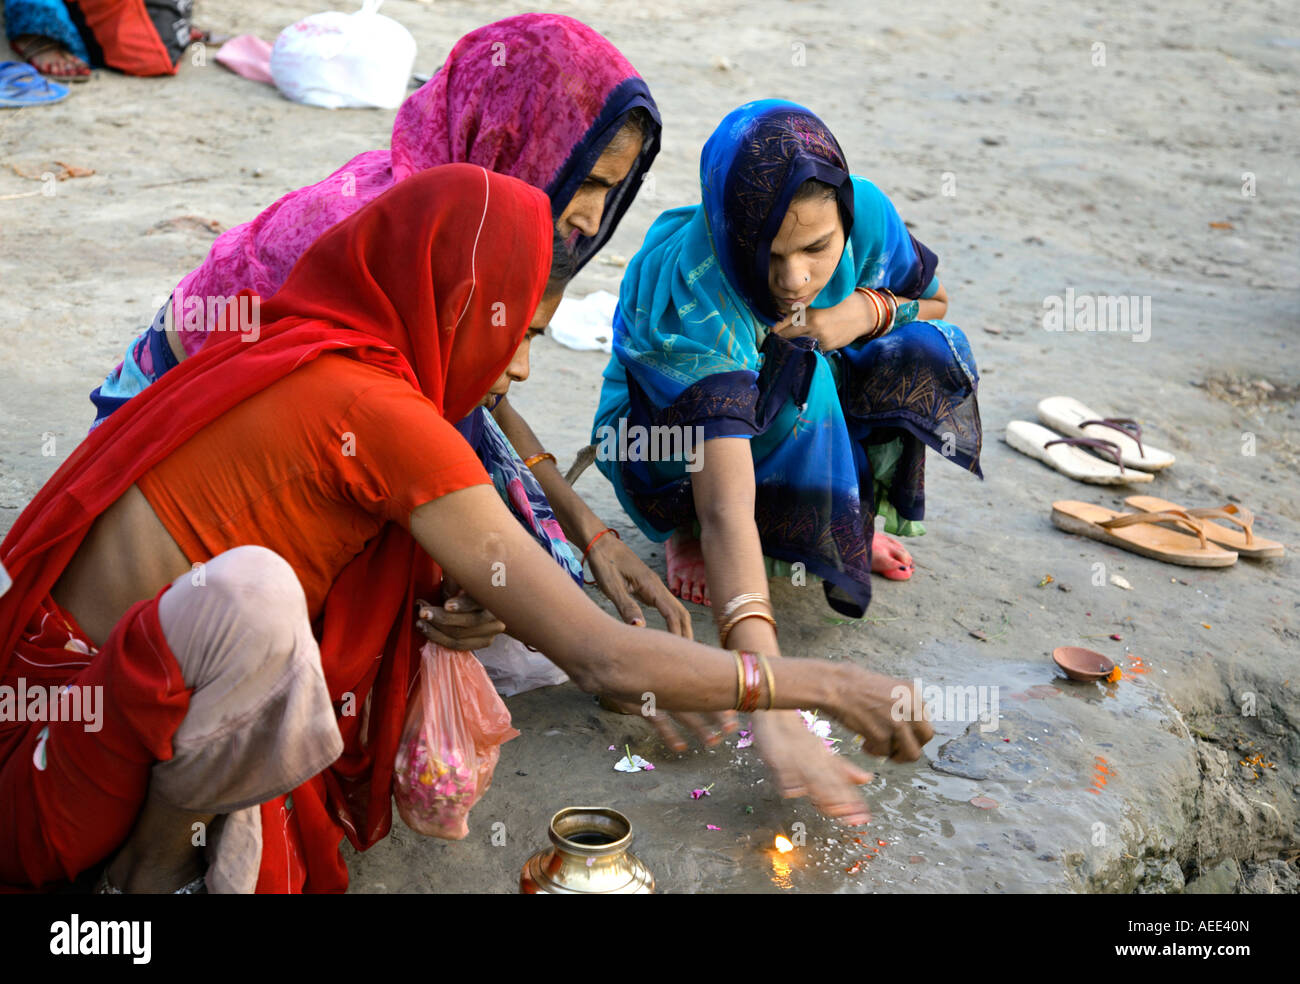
(1071, 417)
(1067, 456)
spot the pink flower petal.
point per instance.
(709, 826)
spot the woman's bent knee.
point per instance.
(245, 606)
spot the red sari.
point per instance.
(434, 282)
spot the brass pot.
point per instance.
(589, 856)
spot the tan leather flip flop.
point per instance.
(1243, 540)
(1141, 533)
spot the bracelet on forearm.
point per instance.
(587, 552)
(887, 308)
(725, 631)
(877, 305)
(734, 605)
(771, 681)
(749, 682)
(534, 459)
(892, 300)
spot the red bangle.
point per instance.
(607, 529)
(877, 305)
(753, 683)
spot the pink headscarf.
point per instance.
(536, 97)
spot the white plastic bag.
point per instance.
(513, 668)
(342, 61)
(585, 324)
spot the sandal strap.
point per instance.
(1125, 425)
(1096, 443)
(1239, 515)
(1179, 516)
(34, 49)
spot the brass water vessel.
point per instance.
(589, 855)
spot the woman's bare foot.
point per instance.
(889, 559)
(49, 57)
(686, 577)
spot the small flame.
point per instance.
(783, 844)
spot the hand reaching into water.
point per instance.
(872, 705)
(802, 765)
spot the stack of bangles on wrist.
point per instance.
(728, 619)
(749, 681)
(890, 311)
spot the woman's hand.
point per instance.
(459, 622)
(708, 728)
(803, 766)
(620, 574)
(832, 327)
(888, 713)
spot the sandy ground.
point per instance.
(1030, 169)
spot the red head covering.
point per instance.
(436, 282)
(447, 267)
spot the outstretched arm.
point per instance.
(724, 492)
(473, 537)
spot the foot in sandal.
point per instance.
(1067, 455)
(890, 559)
(49, 57)
(1072, 418)
(1240, 536)
(1142, 533)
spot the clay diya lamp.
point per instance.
(1082, 664)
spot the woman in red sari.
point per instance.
(237, 573)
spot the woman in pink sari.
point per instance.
(539, 97)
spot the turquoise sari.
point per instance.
(836, 436)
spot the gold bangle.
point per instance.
(742, 599)
(726, 629)
(893, 307)
(533, 459)
(771, 681)
(740, 680)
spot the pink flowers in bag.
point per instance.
(455, 727)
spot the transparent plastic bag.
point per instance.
(514, 669)
(455, 727)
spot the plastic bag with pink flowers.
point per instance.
(455, 727)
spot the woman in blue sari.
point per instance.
(779, 368)
(793, 323)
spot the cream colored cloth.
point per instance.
(260, 721)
